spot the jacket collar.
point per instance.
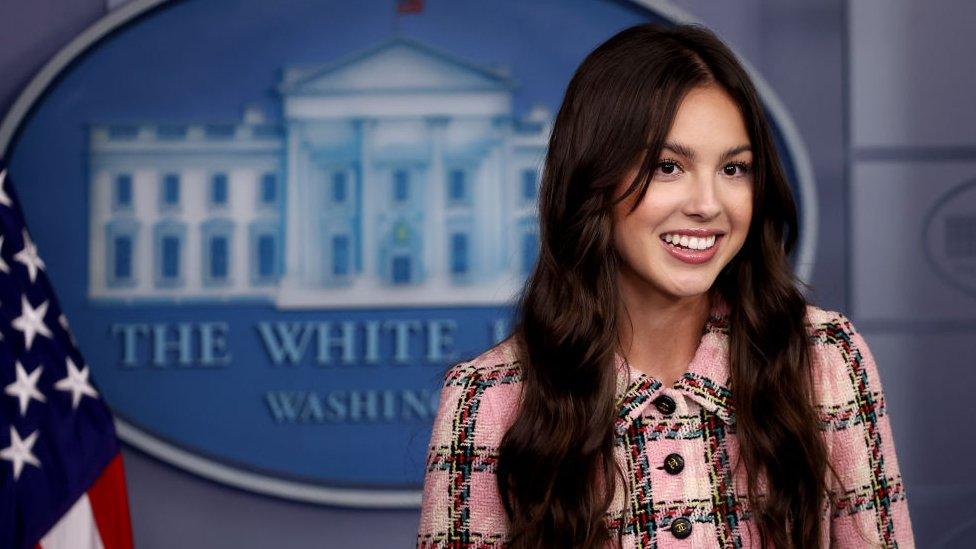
(706, 381)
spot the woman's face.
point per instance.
(695, 214)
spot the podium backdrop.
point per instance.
(272, 226)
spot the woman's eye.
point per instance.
(730, 170)
(735, 169)
(667, 167)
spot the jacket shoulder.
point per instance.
(819, 318)
(869, 506)
(836, 353)
(460, 500)
(484, 392)
(847, 382)
(496, 365)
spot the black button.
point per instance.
(665, 404)
(681, 527)
(674, 463)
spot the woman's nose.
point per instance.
(702, 199)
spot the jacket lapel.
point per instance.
(706, 381)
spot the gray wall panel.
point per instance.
(893, 279)
(910, 81)
(911, 120)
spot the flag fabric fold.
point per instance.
(62, 481)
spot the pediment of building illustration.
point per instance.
(398, 64)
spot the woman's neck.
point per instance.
(659, 334)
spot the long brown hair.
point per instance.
(556, 470)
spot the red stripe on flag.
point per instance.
(110, 506)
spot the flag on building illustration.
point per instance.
(410, 6)
(61, 475)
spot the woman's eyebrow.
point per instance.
(688, 153)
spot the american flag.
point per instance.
(61, 477)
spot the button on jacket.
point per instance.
(677, 446)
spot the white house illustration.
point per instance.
(399, 176)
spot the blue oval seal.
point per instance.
(273, 229)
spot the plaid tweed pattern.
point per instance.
(461, 507)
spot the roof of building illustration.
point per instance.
(397, 64)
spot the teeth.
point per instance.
(693, 242)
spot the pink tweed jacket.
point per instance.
(678, 448)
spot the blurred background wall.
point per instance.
(881, 92)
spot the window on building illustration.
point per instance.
(530, 247)
(218, 189)
(459, 253)
(169, 238)
(401, 269)
(170, 257)
(340, 255)
(457, 187)
(401, 185)
(339, 187)
(120, 242)
(171, 189)
(219, 257)
(266, 256)
(123, 257)
(269, 188)
(123, 190)
(529, 185)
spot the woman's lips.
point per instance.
(693, 257)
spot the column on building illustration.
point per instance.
(437, 202)
(294, 230)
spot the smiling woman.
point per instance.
(690, 222)
(667, 383)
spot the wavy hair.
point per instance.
(556, 470)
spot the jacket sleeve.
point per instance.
(460, 505)
(870, 508)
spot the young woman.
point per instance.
(667, 384)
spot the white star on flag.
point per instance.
(3, 264)
(19, 451)
(25, 388)
(31, 321)
(77, 382)
(28, 256)
(4, 199)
